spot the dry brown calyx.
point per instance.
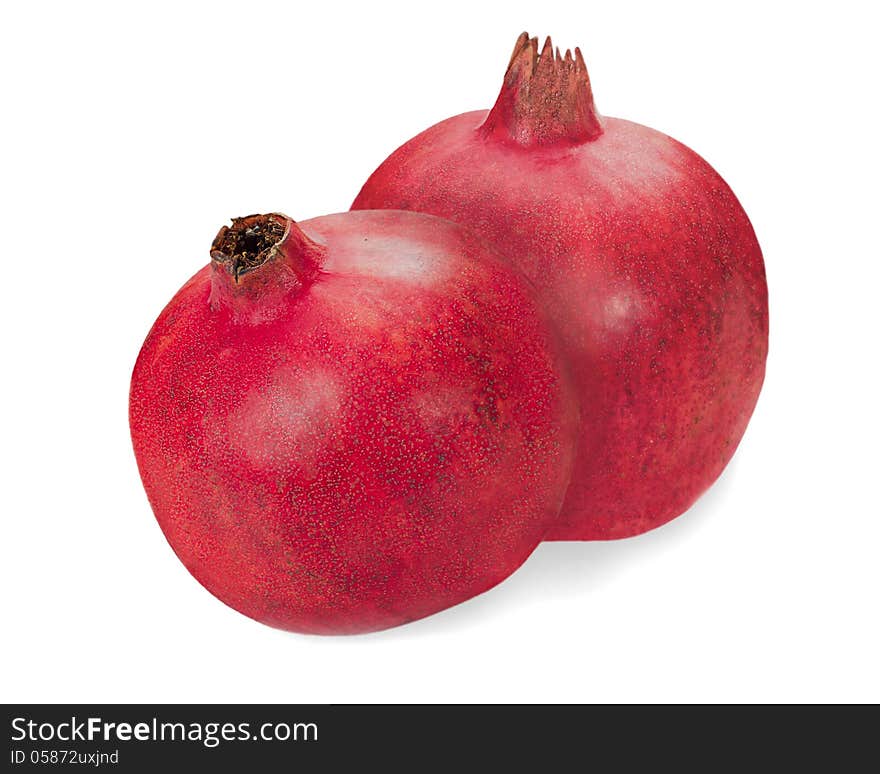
(248, 243)
(260, 265)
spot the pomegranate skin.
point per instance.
(365, 427)
(645, 261)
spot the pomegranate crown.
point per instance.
(259, 263)
(546, 97)
(249, 243)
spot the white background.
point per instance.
(130, 135)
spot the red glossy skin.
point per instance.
(370, 427)
(643, 257)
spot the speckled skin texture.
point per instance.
(370, 427)
(646, 262)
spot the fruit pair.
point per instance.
(359, 420)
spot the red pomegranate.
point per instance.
(643, 257)
(353, 422)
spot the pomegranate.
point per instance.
(349, 423)
(643, 257)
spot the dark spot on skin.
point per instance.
(488, 409)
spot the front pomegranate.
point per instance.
(349, 423)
